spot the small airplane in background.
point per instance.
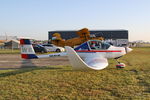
(92, 54)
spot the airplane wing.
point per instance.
(96, 63)
(88, 63)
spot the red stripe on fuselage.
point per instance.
(98, 50)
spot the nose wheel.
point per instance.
(119, 65)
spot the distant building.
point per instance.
(12, 44)
(2, 45)
(115, 37)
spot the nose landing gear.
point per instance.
(120, 65)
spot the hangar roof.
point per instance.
(107, 34)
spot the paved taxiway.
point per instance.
(9, 61)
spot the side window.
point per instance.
(92, 44)
(49, 45)
(37, 46)
(95, 45)
(98, 45)
(105, 45)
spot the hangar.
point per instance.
(116, 37)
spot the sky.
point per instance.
(34, 18)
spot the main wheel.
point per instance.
(58, 50)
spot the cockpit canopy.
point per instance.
(93, 45)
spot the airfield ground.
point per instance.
(53, 79)
(12, 61)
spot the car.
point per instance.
(53, 48)
(39, 48)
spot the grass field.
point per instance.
(62, 83)
(9, 51)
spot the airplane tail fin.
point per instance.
(27, 51)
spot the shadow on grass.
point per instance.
(27, 66)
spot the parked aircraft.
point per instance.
(92, 54)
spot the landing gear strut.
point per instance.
(119, 64)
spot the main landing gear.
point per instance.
(119, 65)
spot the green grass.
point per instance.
(62, 83)
(9, 51)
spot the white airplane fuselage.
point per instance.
(111, 52)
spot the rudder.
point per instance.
(27, 51)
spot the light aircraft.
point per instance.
(92, 54)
